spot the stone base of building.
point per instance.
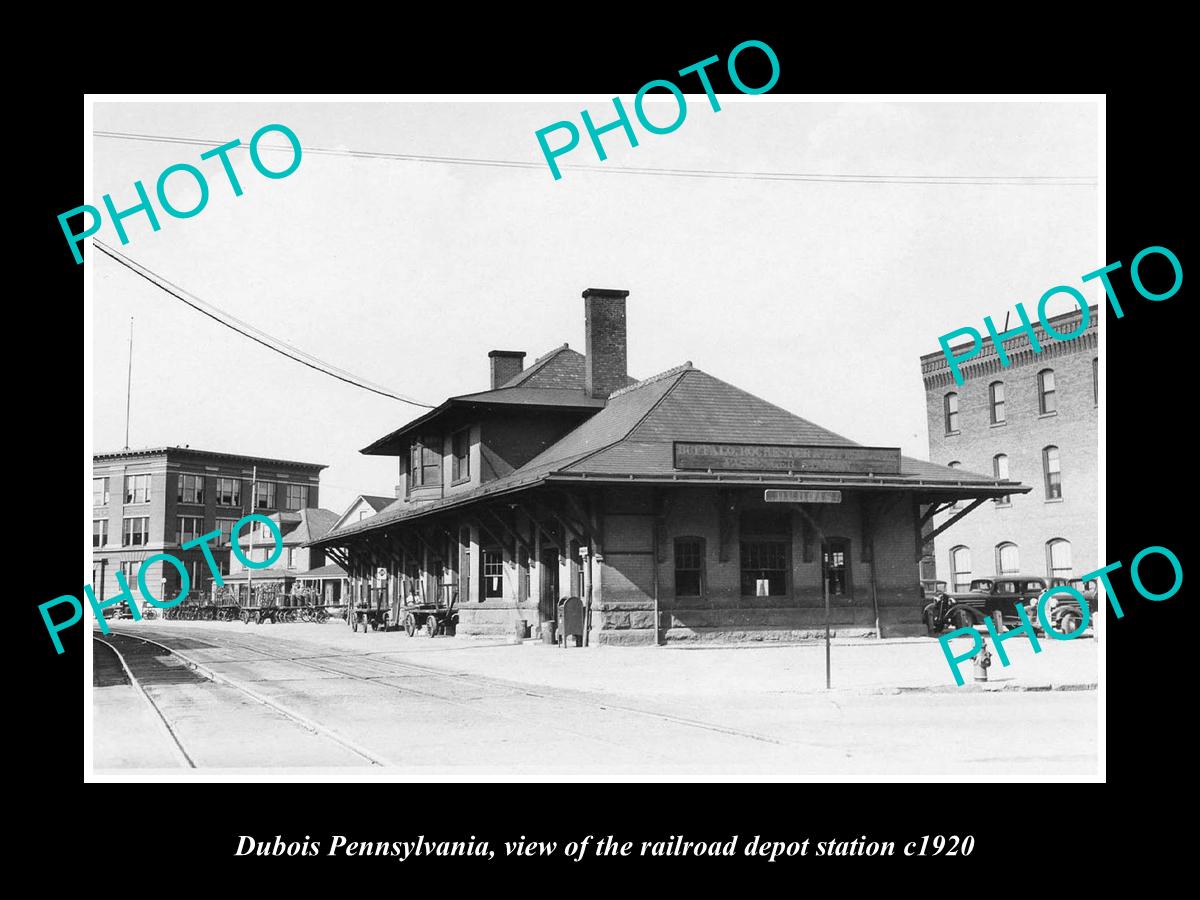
(630, 624)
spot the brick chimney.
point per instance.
(505, 365)
(604, 322)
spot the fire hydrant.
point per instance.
(982, 661)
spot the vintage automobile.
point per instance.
(985, 598)
(932, 588)
(1062, 609)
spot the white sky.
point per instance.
(818, 297)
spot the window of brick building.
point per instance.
(1000, 473)
(1058, 558)
(950, 408)
(461, 467)
(1008, 559)
(764, 568)
(1053, 472)
(188, 529)
(493, 574)
(225, 526)
(229, 492)
(137, 488)
(296, 496)
(689, 567)
(191, 489)
(996, 395)
(953, 464)
(1047, 403)
(960, 568)
(135, 531)
(835, 565)
(100, 491)
(99, 532)
(264, 495)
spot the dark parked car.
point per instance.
(985, 598)
(1062, 609)
(932, 588)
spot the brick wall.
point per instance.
(1030, 520)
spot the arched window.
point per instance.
(950, 404)
(960, 568)
(1008, 559)
(954, 464)
(1058, 558)
(996, 394)
(1000, 473)
(1046, 400)
(1053, 472)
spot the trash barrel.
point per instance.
(548, 632)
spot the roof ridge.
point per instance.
(525, 373)
(653, 378)
(678, 370)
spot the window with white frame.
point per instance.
(1058, 556)
(1008, 559)
(1000, 472)
(1052, 469)
(137, 488)
(297, 496)
(100, 491)
(188, 529)
(1047, 402)
(191, 489)
(264, 495)
(225, 526)
(229, 492)
(996, 395)
(950, 409)
(135, 531)
(960, 568)
(99, 532)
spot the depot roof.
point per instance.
(632, 440)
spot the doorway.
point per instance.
(548, 602)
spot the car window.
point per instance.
(1005, 587)
(1034, 586)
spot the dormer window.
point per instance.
(425, 462)
(461, 469)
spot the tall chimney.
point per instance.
(604, 322)
(505, 365)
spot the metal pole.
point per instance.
(250, 571)
(129, 383)
(828, 669)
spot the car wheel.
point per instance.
(1069, 622)
(930, 627)
(960, 618)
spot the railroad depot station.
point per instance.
(570, 478)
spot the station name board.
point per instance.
(788, 458)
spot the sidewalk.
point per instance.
(862, 666)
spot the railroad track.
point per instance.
(141, 662)
(490, 683)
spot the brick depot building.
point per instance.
(570, 478)
(1033, 421)
(146, 502)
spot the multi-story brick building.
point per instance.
(146, 502)
(1034, 421)
(571, 478)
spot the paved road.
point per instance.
(307, 697)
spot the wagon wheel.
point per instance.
(410, 624)
(431, 625)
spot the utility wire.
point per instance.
(248, 330)
(1043, 180)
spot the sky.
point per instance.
(819, 297)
